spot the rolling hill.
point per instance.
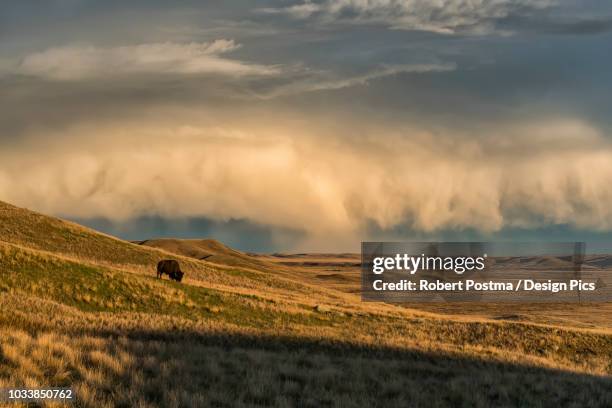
(209, 250)
(83, 309)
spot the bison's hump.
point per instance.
(168, 266)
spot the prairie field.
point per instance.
(84, 310)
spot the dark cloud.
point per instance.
(546, 24)
(582, 27)
(579, 27)
(240, 234)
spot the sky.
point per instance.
(296, 125)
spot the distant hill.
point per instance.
(209, 250)
(600, 261)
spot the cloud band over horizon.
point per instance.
(560, 173)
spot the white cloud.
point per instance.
(323, 81)
(303, 10)
(74, 63)
(441, 16)
(89, 62)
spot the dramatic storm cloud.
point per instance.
(309, 124)
(527, 175)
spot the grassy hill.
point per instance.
(209, 250)
(28, 230)
(82, 309)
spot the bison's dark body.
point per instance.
(171, 268)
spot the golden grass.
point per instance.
(74, 314)
(126, 359)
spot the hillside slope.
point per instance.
(28, 229)
(209, 250)
(82, 309)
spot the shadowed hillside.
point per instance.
(82, 309)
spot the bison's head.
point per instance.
(179, 276)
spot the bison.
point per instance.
(171, 268)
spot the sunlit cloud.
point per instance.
(547, 172)
(90, 62)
